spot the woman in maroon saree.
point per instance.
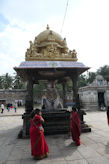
(75, 126)
(39, 147)
(108, 115)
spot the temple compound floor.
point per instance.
(94, 148)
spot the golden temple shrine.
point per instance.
(48, 59)
(49, 46)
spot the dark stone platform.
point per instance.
(56, 122)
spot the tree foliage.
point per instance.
(104, 71)
(38, 89)
(11, 82)
(7, 81)
(82, 81)
(90, 77)
(18, 83)
(1, 82)
(59, 89)
(69, 86)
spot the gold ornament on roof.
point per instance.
(48, 27)
(49, 46)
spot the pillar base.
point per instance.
(84, 127)
(24, 132)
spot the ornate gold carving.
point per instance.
(48, 27)
(51, 49)
(73, 53)
(51, 37)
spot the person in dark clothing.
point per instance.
(108, 115)
(43, 106)
(75, 126)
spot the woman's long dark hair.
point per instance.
(74, 109)
(34, 112)
(37, 111)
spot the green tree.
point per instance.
(82, 81)
(1, 82)
(59, 89)
(38, 89)
(104, 71)
(18, 83)
(7, 81)
(69, 86)
(91, 76)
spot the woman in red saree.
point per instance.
(75, 126)
(39, 147)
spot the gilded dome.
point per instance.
(49, 46)
(50, 36)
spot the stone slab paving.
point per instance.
(94, 148)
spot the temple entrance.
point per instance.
(101, 101)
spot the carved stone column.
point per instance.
(75, 89)
(28, 109)
(84, 127)
(64, 93)
(29, 97)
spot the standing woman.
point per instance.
(39, 147)
(108, 115)
(75, 126)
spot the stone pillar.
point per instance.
(75, 90)
(64, 93)
(28, 109)
(84, 127)
(29, 97)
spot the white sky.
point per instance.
(86, 29)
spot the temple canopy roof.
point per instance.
(50, 70)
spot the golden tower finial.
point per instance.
(48, 27)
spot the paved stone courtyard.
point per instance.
(94, 148)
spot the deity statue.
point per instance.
(51, 99)
(51, 51)
(74, 53)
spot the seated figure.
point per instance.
(51, 100)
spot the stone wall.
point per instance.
(89, 98)
(10, 96)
